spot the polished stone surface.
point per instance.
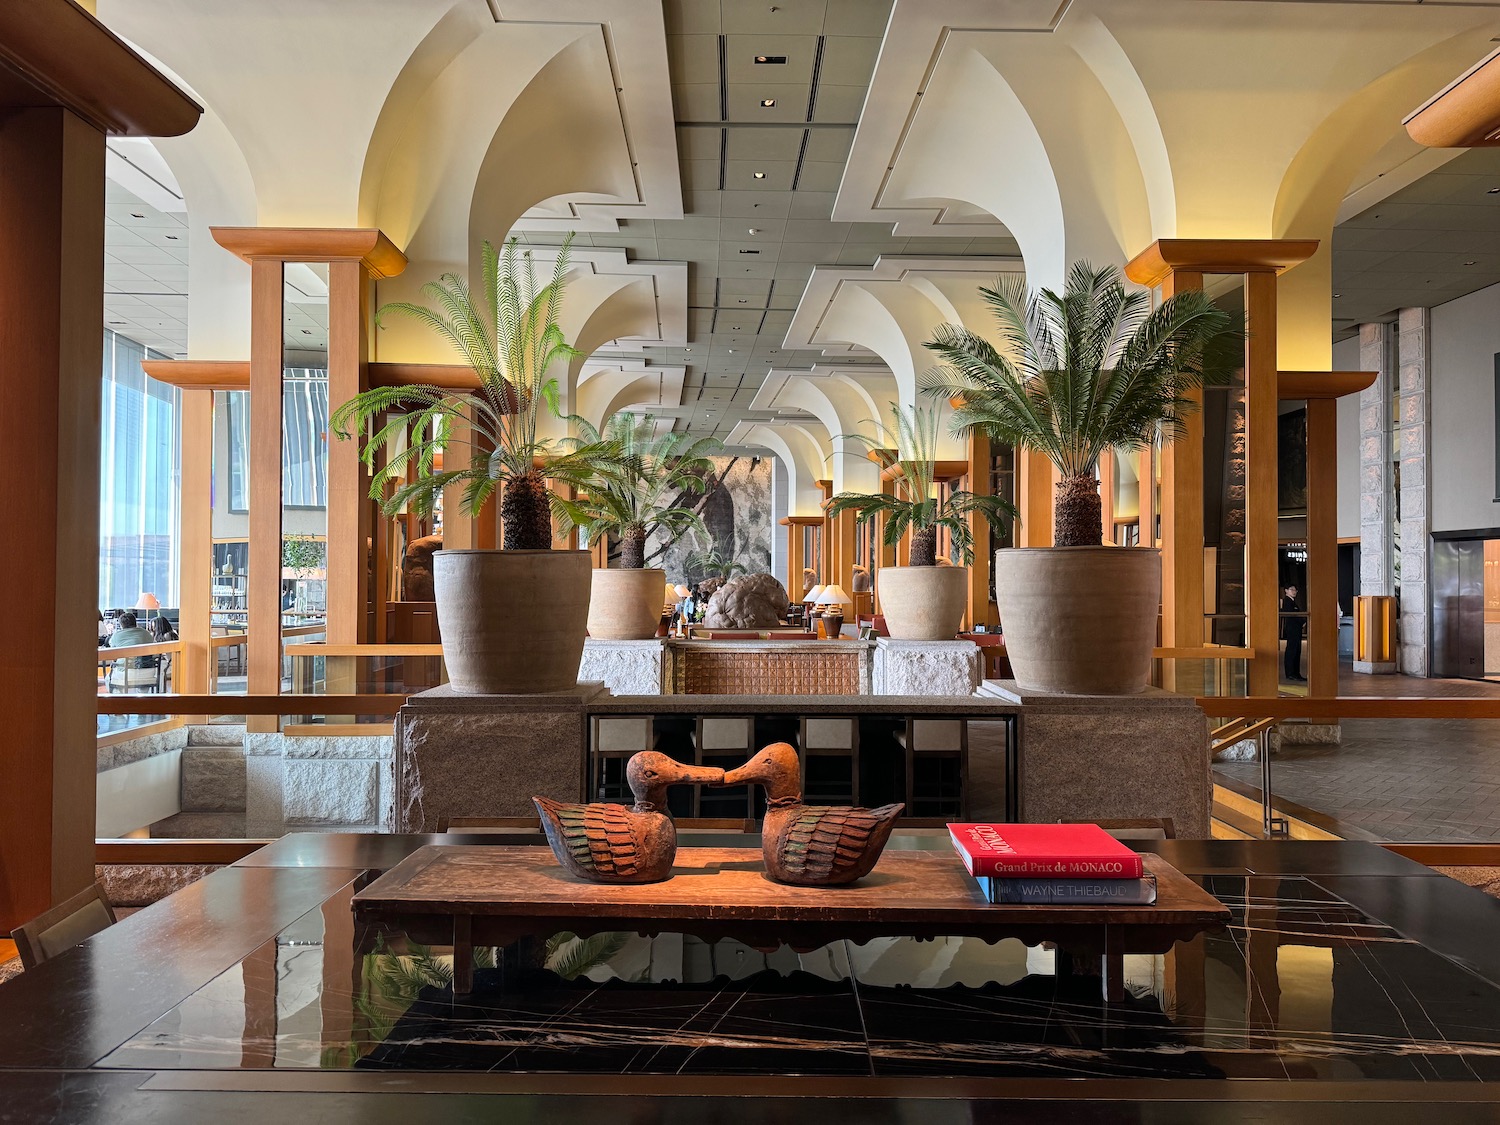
(1302, 987)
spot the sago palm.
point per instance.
(916, 505)
(511, 338)
(638, 489)
(1076, 374)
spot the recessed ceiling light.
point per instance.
(760, 175)
(1471, 263)
(117, 322)
(1494, 191)
(749, 251)
(1337, 295)
(744, 301)
(135, 215)
(767, 103)
(770, 60)
(173, 237)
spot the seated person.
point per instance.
(141, 671)
(161, 630)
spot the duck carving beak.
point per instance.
(741, 774)
(698, 775)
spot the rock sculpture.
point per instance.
(608, 843)
(416, 569)
(751, 601)
(812, 845)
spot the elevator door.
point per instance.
(1458, 608)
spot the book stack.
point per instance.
(1053, 864)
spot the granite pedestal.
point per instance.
(488, 755)
(926, 667)
(1094, 757)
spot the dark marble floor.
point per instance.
(1301, 986)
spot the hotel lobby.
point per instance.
(831, 560)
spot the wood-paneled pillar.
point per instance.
(1173, 266)
(796, 553)
(195, 548)
(978, 610)
(65, 82)
(1322, 390)
(354, 258)
(1036, 481)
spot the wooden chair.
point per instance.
(64, 926)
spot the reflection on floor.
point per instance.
(1300, 986)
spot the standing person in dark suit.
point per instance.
(1291, 632)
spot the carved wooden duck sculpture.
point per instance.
(608, 843)
(812, 845)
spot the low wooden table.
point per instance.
(497, 895)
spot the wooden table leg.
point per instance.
(1114, 965)
(463, 954)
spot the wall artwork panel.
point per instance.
(736, 510)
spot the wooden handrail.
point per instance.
(1348, 707)
(302, 630)
(1204, 652)
(156, 648)
(174, 851)
(166, 703)
(364, 650)
(228, 640)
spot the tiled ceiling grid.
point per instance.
(759, 182)
(145, 271)
(1432, 241)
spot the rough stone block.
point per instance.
(139, 749)
(926, 667)
(625, 667)
(264, 745)
(479, 755)
(330, 792)
(213, 779)
(141, 884)
(336, 747)
(264, 812)
(1111, 757)
(216, 734)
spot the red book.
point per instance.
(1044, 850)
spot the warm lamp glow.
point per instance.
(147, 601)
(833, 595)
(811, 597)
(681, 590)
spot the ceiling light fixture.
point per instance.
(770, 60)
(754, 230)
(760, 175)
(1337, 295)
(767, 103)
(1494, 191)
(173, 237)
(136, 215)
(1471, 263)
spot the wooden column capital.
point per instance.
(370, 247)
(1166, 256)
(1322, 384)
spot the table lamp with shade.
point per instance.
(147, 601)
(832, 601)
(809, 599)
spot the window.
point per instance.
(140, 481)
(304, 441)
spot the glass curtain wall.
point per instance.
(140, 481)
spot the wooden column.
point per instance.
(1322, 390)
(793, 557)
(64, 82)
(1262, 596)
(51, 244)
(348, 484)
(1107, 496)
(196, 544)
(1035, 486)
(978, 610)
(1174, 266)
(263, 582)
(1322, 547)
(827, 547)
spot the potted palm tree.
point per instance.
(921, 601)
(512, 620)
(638, 492)
(1073, 376)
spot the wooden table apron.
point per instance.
(477, 895)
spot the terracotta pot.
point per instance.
(1079, 620)
(512, 621)
(626, 604)
(923, 603)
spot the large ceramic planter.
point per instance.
(626, 604)
(1079, 620)
(512, 621)
(923, 603)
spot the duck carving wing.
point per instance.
(829, 844)
(592, 838)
